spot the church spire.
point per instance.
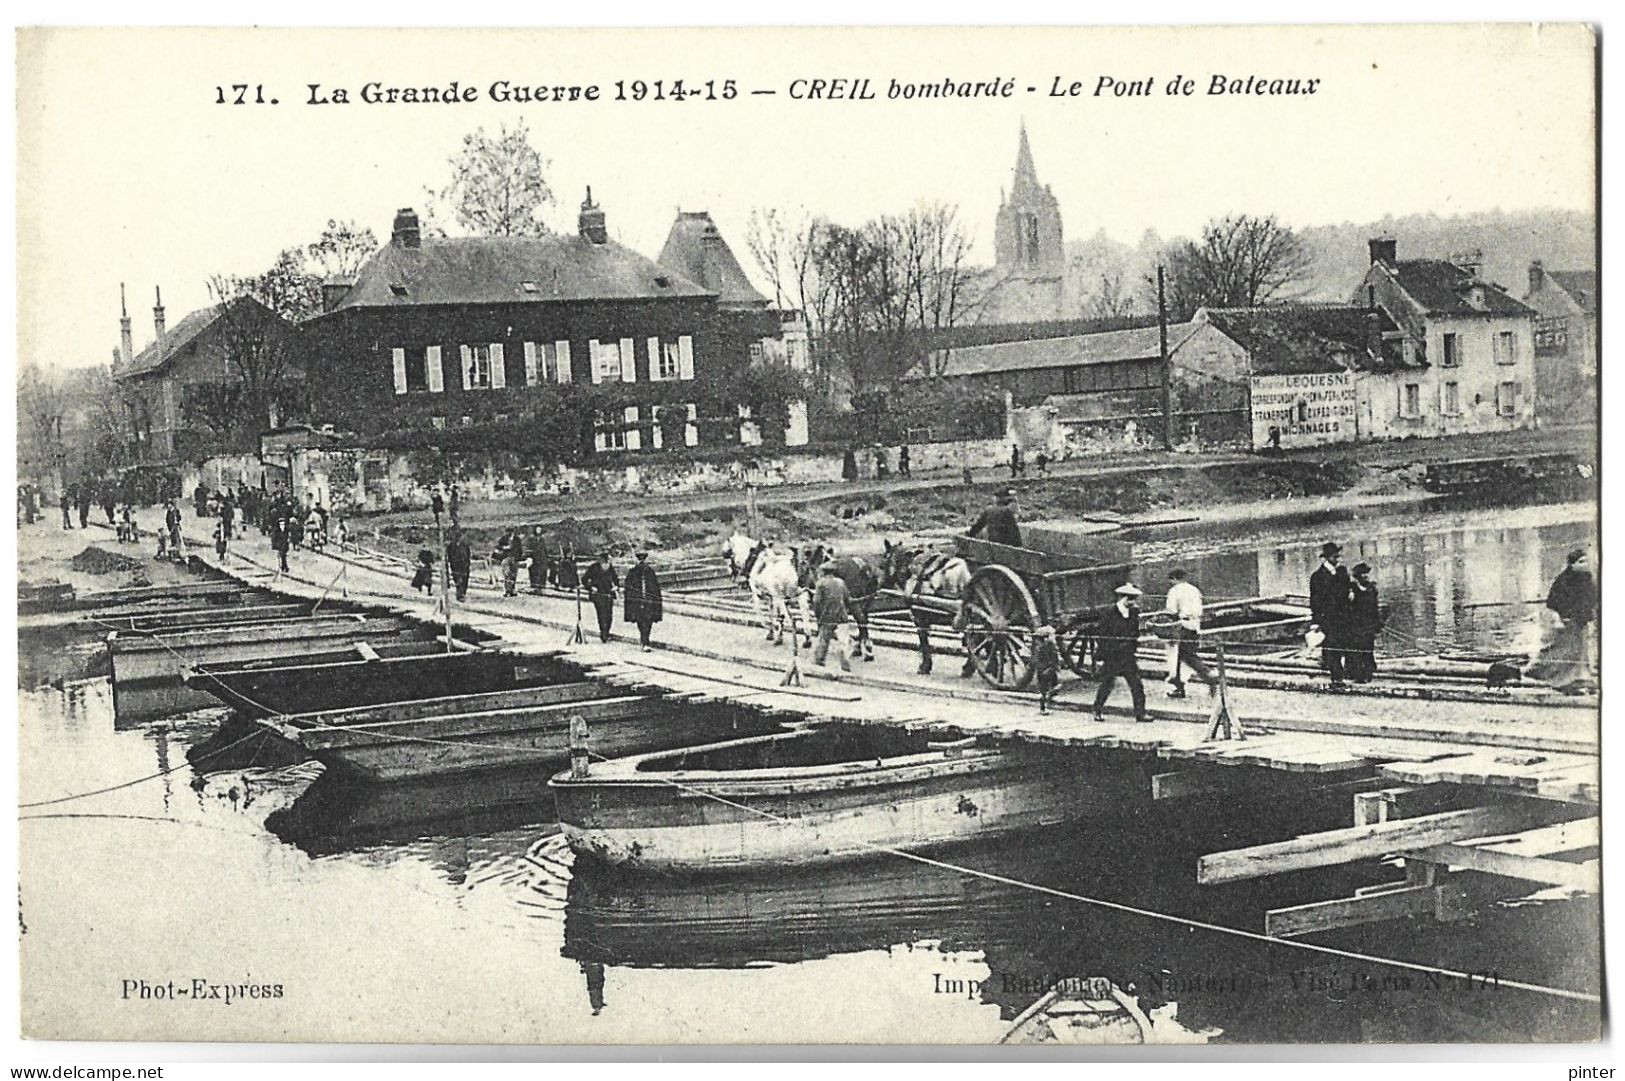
(1026, 176)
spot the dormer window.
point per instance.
(530, 287)
(662, 281)
(398, 290)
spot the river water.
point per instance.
(455, 912)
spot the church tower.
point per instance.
(1027, 243)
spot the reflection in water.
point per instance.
(1453, 584)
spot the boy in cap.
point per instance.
(1046, 665)
(1116, 640)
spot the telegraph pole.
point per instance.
(1167, 373)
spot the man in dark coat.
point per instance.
(643, 598)
(1329, 596)
(280, 539)
(602, 584)
(460, 557)
(1117, 638)
(109, 504)
(1365, 623)
(1573, 596)
(87, 497)
(538, 559)
(200, 500)
(66, 503)
(998, 522)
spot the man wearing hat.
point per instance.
(643, 598)
(601, 583)
(1117, 637)
(831, 608)
(1329, 599)
(998, 522)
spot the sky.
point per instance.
(130, 172)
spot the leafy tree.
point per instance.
(1241, 261)
(41, 404)
(769, 387)
(498, 185)
(340, 250)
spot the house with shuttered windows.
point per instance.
(440, 332)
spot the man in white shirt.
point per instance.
(1185, 604)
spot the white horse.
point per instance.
(775, 584)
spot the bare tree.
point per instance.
(1111, 298)
(41, 404)
(498, 185)
(341, 249)
(785, 248)
(1241, 261)
(256, 315)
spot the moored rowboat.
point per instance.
(812, 796)
(1090, 1011)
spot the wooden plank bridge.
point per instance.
(1471, 788)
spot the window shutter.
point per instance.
(564, 360)
(656, 439)
(654, 360)
(468, 367)
(530, 364)
(399, 356)
(634, 437)
(685, 347)
(592, 359)
(1442, 402)
(437, 375)
(691, 430)
(499, 370)
(629, 362)
(600, 440)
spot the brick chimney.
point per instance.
(1537, 276)
(711, 257)
(157, 313)
(405, 233)
(333, 290)
(591, 223)
(126, 340)
(1384, 250)
(1470, 261)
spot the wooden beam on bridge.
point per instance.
(1367, 907)
(1363, 842)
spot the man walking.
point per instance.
(643, 599)
(1016, 464)
(830, 609)
(1184, 603)
(1329, 594)
(998, 522)
(602, 583)
(279, 537)
(903, 462)
(459, 557)
(1117, 637)
(66, 503)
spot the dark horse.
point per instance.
(917, 572)
(863, 583)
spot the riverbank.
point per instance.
(857, 517)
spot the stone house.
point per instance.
(1565, 305)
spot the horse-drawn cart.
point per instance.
(1013, 591)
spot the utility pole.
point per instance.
(1167, 373)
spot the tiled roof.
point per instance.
(176, 338)
(1299, 339)
(1579, 284)
(1139, 343)
(685, 252)
(504, 270)
(1443, 288)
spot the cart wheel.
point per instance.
(1077, 647)
(1000, 616)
